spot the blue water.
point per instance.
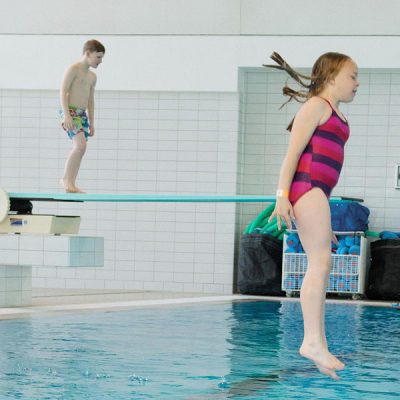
(242, 350)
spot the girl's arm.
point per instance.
(304, 125)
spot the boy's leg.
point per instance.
(73, 163)
(313, 223)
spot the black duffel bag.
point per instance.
(260, 265)
(384, 272)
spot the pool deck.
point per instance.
(55, 301)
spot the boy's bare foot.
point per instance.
(326, 362)
(69, 188)
(74, 190)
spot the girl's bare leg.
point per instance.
(313, 222)
(73, 163)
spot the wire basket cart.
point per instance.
(348, 273)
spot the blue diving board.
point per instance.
(155, 198)
(141, 198)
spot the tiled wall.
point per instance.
(146, 142)
(371, 152)
(185, 143)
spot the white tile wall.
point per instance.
(370, 155)
(146, 142)
(184, 143)
(15, 285)
(48, 251)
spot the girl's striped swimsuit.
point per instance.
(322, 159)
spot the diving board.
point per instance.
(148, 198)
(140, 198)
(16, 207)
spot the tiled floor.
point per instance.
(51, 301)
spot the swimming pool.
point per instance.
(239, 350)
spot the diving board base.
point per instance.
(52, 251)
(20, 252)
(40, 224)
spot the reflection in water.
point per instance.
(12, 366)
(265, 338)
(255, 344)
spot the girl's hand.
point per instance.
(91, 130)
(334, 238)
(283, 211)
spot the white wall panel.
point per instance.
(120, 17)
(200, 17)
(169, 63)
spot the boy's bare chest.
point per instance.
(84, 81)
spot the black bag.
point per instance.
(384, 273)
(260, 265)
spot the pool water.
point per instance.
(240, 350)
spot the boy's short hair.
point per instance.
(92, 46)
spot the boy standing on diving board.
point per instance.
(77, 113)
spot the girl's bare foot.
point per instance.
(327, 371)
(326, 362)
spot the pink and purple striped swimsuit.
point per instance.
(322, 159)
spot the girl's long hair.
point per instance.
(324, 69)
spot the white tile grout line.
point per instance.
(187, 300)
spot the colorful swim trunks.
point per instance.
(80, 119)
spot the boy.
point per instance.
(77, 97)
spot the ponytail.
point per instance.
(298, 95)
(325, 68)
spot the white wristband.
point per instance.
(282, 193)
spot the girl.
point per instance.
(309, 172)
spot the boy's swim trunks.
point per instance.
(80, 119)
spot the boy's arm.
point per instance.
(66, 83)
(91, 106)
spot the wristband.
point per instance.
(282, 193)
